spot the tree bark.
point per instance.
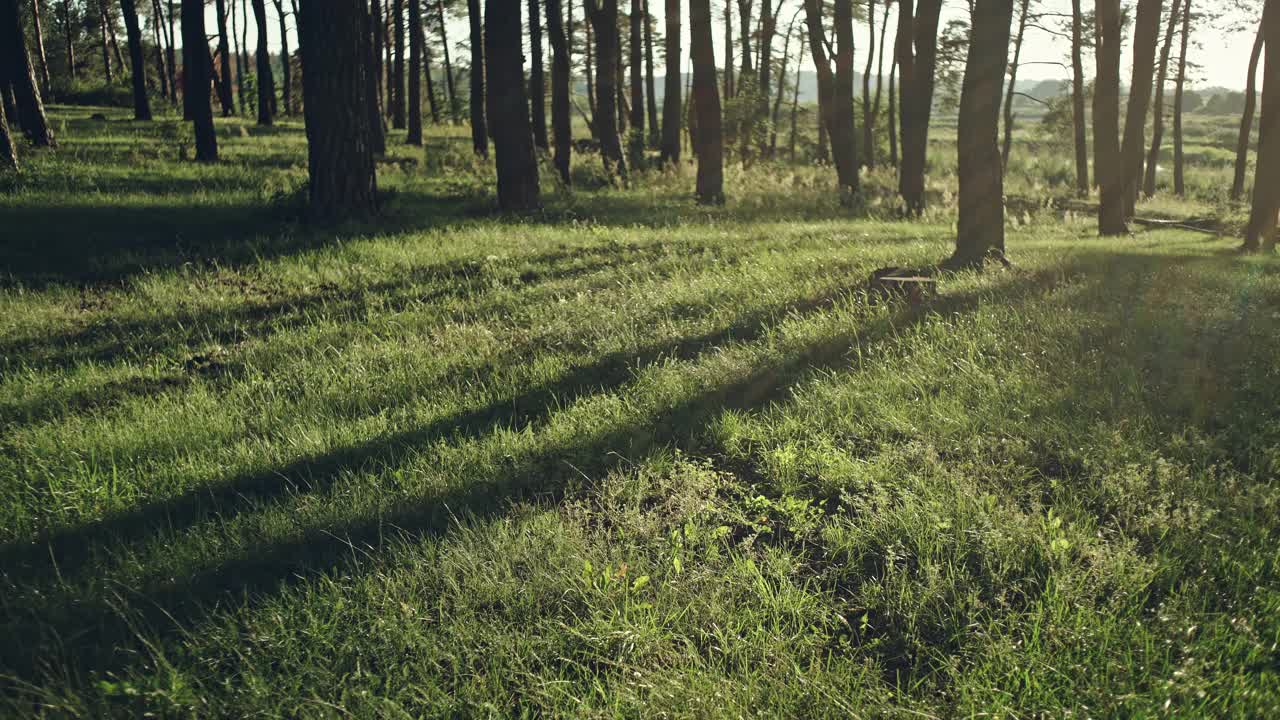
(709, 140)
(1246, 119)
(1078, 120)
(768, 28)
(875, 105)
(336, 46)
(161, 72)
(398, 104)
(1261, 234)
(106, 42)
(1179, 182)
(137, 61)
(377, 38)
(1146, 35)
(844, 133)
(917, 66)
(414, 136)
(729, 88)
(795, 114)
(589, 66)
(111, 36)
(196, 76)
(650, 92)
(8, 149)
(432, 102)
(671, 101)
(537, 82)
(42, 59)
(17, 72)
(868, 115)
(1011, 86)
(244, 48)
(286, 62)
(69, 40)
(171, 39)
(636, 138)
(512, 138)
(479, 134)
(223, 78)
(375, 117)
(604, 22)
(454, 107)
(776, 115)
(266, 80)
(1157, 126)
(561, 123)
(893, 107)
(1107, 164)
(980, 227)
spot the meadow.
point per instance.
(627, 456)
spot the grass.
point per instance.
(628, 457)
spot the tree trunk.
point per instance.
(336, 48)
(398, 104)
(893, 108)
(868, 116)
(1179, 183)
(106, 42)
(917, 65)
(537, 83)
(266, 81)
(650, 92)
(1078, 120)
(1011, 86)
(111, 36)
(512, 138)
(244, 48)
(589, 66)
(171, 39)
(161, 72)
(795, 113)
(137, 61)
(980, 227)
(68, 39)
(1146, 35)
(709, 140)
(1108, 166)
(377, 38)
(636, 138)
(375, 119)
(875, 104)
(286, 62)
(1261, 234)
(388, 61)
(432, 102)
(776, 115)
(604, 23)
(414, 136)
(8, 149)
(41, 58)
(1246, 120)
(196, 76)
(454, 107)
(1157, 127)
(729, 89)
(479, 134)
(561, 76)
(768, 28)
(671, 101)
(844, 134)
(223, 78)
(744, 71)
(17, 72)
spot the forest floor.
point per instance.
(627, 457)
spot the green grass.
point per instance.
(626, 457)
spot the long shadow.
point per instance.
(106, 641)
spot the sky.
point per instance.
(1220, 58)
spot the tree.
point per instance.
(1246, 118)
(561, 75)
(8, 150)
(729, 88)
(671, 110)
(415, 72)
(68, 40)
(224, 60)
(197, 74)
(980, 228)
(1261, 234)
(374, 118)
(448, 63)
(868, 113)
(106, 43)
(537, 83)
(635, 140)
(286, 72)
(1146, 34)
(768, 29)
(835, 90)
(709, 140)
(1157, 128)
(398, 105)
(1011, 87)
(336, 48)
(479, 134)
(432, 103)
(513, 137)
(378, 36)
(37, 35)
(17, 73)
(266, 81)
(603, 15)
(1179, 184)
(1078, 120)
(875, 105)
(650, 92)
(1107, 165)
(782, 86)
(917, 44)
(137, 60)
(157, 20)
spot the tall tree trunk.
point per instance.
(479, 133)
(172, 55)
(197, 73)
(875, 104)
(137, 61)
(561, 75)
(744, 71)
(917, 64)
(8, 149)
(709, 140)
(795, 112)
(868, 114)
(768, 28)
(776, 115)
(604, 23)
(1107, 163)
(157, 20)
(42, 59)
(822, 70)
(1146, 35)
(512, 138)
(454, 107)
(893, 108)
(388, 61)
(106, 42)
(1011, 86)
(1157, 127)
(107, 10)
(650, 92)
(1179, 182)
(398, 104)
(266, 81)
(377, 37)
(17, 72)
(224, 59)
(671, 101)
(1246, 119)
(69, 41)
(1261, 234)
(375, 118)
(1078, 120)
(635, 140)
(336, 48)
(244, 48)
(286, 61)
(844, 133)
(590, 66)
(414, 136)
(980, 227)
(432, 102)
(729, 89)
(537, 83)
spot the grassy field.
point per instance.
(624, 458)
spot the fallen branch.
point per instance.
(1178, 225)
